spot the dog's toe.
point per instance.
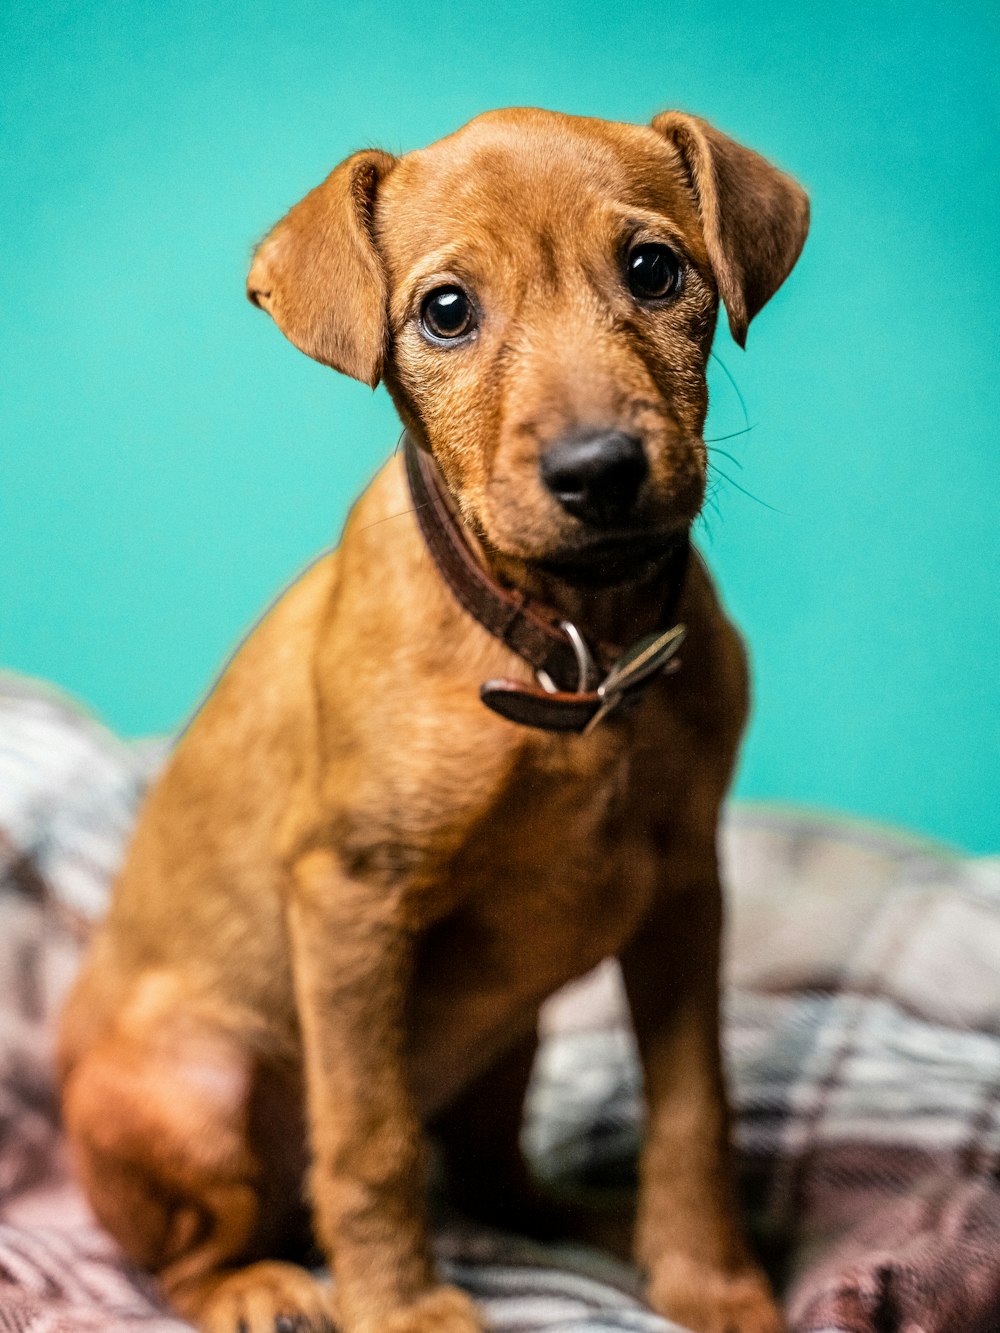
(298, 1323)
(442, 1309)
(263, 1298)
(708, 1301)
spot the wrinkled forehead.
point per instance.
(523, 177)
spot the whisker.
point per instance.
(732, 434)
(386, 517)
(726, 371)
(711, 500)
(750, 495)
(712, 491)
(732, 457)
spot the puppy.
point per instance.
(461, 761)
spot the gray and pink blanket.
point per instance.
(862, 1031)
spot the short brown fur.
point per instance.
(353, 885)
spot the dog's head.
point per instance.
(539, 293)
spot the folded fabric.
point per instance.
(861, 1032)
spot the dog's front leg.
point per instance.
(689, 1238)
(352, 958)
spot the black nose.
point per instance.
(596, 478)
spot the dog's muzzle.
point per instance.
(579, 684)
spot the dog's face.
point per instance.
(549, 293)
(540, 293)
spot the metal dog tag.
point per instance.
(647, 656)
(608, 706)
(653, 653)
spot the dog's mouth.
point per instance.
(608, 560)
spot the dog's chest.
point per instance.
(565, 846)
(560, 864)
(554, 878)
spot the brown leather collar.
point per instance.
(579, 683)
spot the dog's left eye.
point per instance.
(652, 271)
(447, 313)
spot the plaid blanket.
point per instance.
(861, 1032)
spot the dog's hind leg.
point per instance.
(165, 1136)
(478, 1136)
(487, 1175)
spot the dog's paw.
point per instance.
(263, 1298)
(706, 1300)
(440, 1310)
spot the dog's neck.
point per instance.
(615, 611)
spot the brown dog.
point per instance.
(355, 883)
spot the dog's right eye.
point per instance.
(447, 313)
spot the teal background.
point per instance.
(168, 461)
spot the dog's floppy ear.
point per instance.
(319, 276)
(753, 216)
